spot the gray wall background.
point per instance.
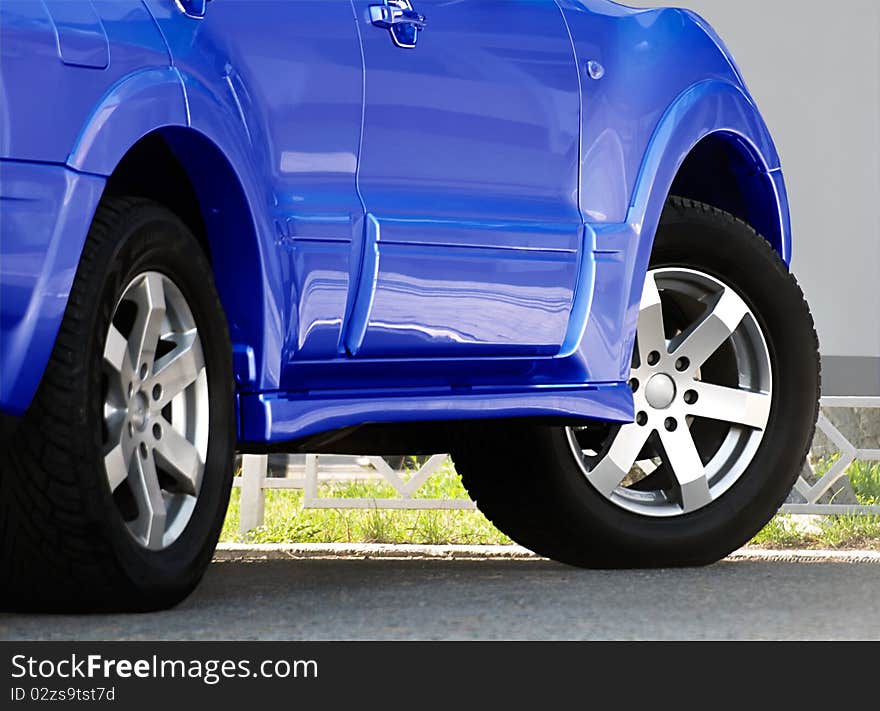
(814, 70)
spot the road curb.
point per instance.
(365, 551)
(368, 551)
(806, 556)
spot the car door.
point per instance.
(469, 174)
(292, 75)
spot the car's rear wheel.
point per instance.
(115, 485)
(725, 379)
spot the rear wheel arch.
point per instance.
(135, 105)
(189, 174)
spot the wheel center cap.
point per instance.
(660, 391)
(139, 411)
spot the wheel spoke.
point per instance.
(707, 336)
(149, 297)
(150, 524)
(177, 370)
(116, 352)
(741, 407)
(687, 467)
(116, 463)
(616, 464)
(651, 335)
(181, 459)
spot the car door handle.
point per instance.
(193, 8)
(394, 15)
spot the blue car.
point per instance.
(550, 237)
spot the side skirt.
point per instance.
(270, 420)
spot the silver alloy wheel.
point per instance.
(155, 410)
(702, 385)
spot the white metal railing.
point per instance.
(321, 468)
(318, 469)
(813, 491)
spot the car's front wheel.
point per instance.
(725, 381)
(114, 486)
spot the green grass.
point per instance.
(864, 477)
(782, 533)
(288, 522)
(840, 532)
(851, 532)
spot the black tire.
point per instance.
(528, 482)
(63, 543)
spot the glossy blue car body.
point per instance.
(458, 229)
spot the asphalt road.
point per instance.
(497, 599)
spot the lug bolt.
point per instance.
(691, 397)
(642, 419)
(682, 364)
(157, 392)
(670, 424)
(634, 385)
(653, 358)
(143, 449)
(157, 431)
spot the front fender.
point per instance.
(706, 108)
(136, 105)
(623, 250)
